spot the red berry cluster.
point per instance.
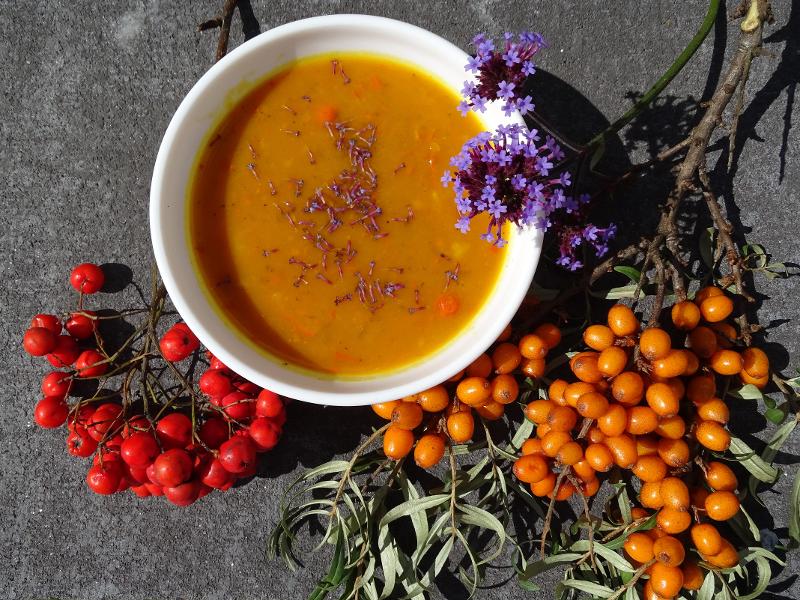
(153, 451)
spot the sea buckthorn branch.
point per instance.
(223, 23)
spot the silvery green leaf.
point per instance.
(746, 392)
(609, 555)
(595, 589)
(633, 274)
(523, 433)
(764, 573)
(794, 511)
(706, 591)
(754, 464)
(549, 562)
(409, 507)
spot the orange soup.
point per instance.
(319, 225)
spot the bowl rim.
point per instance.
(184, 306)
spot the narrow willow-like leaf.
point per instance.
(549, 562)
(409, 507)
(609, 555)
(706, 247)
(764, 573)
(746, 392)
(631, 273)
(753, 552)
(794, 511)
(595, 589)
(523, 433)
(706, 591)
(472, 515)
(754, 464)
(777, 440)
(389, 562)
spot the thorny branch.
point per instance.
(662, 254)
(223, 22)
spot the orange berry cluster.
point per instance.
(444, 413)
(649, 405)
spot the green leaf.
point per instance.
(472, 515)
(764, 572)
(547, 563)
(608, 554)
(754, 464)
(617, 293)
(746, 392)
(777, 440)
(409, 507)
(633, 274)
(523, 433)
(794, 511)
(706, 591)
(595, 589)
(707, 247)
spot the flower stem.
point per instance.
(675, 68)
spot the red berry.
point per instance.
(247, 387)
(213, 474)
(65, 352)
(173, 467)
(80, 444)
(174, 430)
(205, 490)
(136, 475)
(238, 454)
(39, 341)
(78, 421)
(217, 364)
(51, 322)
(214, 432)
(106, 417)
(51, 412)
(154, 489)
(140, 490)
(268, 404)
(264, 433)
(56, 383)
(183, 494)
(135, 424)
(215, 382)
(124, 483)
(178, 343)
(238, 406)
(105, 479)
(140, 449)
(90, 364)
(87, 278)
(81, 326)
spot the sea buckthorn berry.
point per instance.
(698, 496)
(575, 390)
(461, 426)
(701, 387)
(714, 410)
(646, 445)
(703, 341)
(564, 492)
(584, 365)
(612, 361)
(675, 493)
(673, 427)
(676, 385)
(480, 367)
(637, 512)
(692, 362)
(622, 321)
(707, 292)
(531, 446)
(505, 358)
(650, 469)
(641, 420)
(693, 575)
(726, 362)
(434, 399)
(537, 410)
(673, 520)
(623, 448)
(505, 335)
(595, 435)
(650, 495)
(552, 442)
(672, 365)
(592, 405)
(706, 538)
(614, 421)
(397, 442)
(505, 389)
(599, 457)
(533, 367)
(542, 430)
(716, 308)
(532, 346)
(654, 343)
(457, 377)
(685, 315)
(662, 399)
(556, 392)
(474, 391)
(550, 333)
(584, 470)
(673, 452)
(665, 580)
(491, 410)
(429, 450)
(545, 486)
(530, 468)
(569, 453)
(590, 488)
(726, 558)
(722, 506)
(726, 334)
(720, 478)
(759, 382)
(384, 409)
(562, 418)
(669, 550)
(713, 436)
(755, 362)
(598, 337)
(639, 547)
(406, 415)
(628, 388)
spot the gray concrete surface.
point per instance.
(87, 91)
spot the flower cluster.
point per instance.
(501, 73)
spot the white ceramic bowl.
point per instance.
(193, 120)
